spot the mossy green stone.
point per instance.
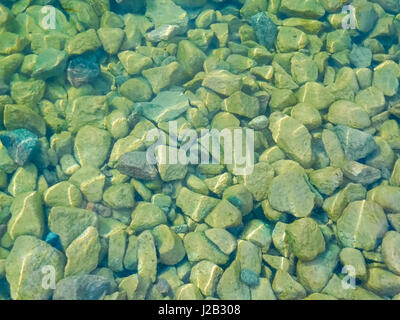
(315, 274)
(83, 253)
(388, 197)
(303, 68)
(23, 180)
(205, 276)
(316, 95)
(309, 9)
(49, 63)
(134, 62)
(169, 245)
(230, 286)
(190, 57)
(27, 216)
(68, 223)
(90, 181)
(383, 282)
(240, 197)
(201, 38)
(63, 194)
(147, 257)
(86, 110)
(146, 216)
(307, 115)
(198, 247)
(349, 114)
(83, 42)
(327, 180)
(262, 175)
(12, 43)
(361, 225)
(111, 39)
(222, 82)
(163, 77)
(305, 239)
(390, 252)
(292, 137)
(353, 257)
(92, 146)
(242, 104)
(259, 233)
(136, 90)
(24, 268)
(28, 92)
(119, 196)
(222, 239)
(195, 205)
(291, 39)
(224, 215)
(286, 287)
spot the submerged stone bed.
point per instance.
(84, 215)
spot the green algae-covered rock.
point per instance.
(387, 197)
(163, 77)
(27, 216)
(195, 205)
(353, 257)
(136, 90)
(166, 106)
(292, 137)
(314, 275)
(287, 288)
(83, 42)
(25, 264)
(83, 253)
(49, 63)
(362, 224)
(68, 223)
(309, 9)
(119, 196)
(23, 180)
(390, 252)
(198, 247)
(92, 146)
(305, 239)
(224, 215)
(134, 62)
(63, 194)
(18, 116)
(146, 216)
(230, 287)
(289, 192)
(327, 180)
(291, 39)
(90, 181)
(205, 275)
(111, 39)
(86, 110)
(241, 104)
(349, 114)
(169, 245)
(222, 82)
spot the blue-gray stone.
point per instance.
(20, 144)
(356, 144)
(82, 70)
(83, 287)
(265, 29)
(249, 277)
(360, 57)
